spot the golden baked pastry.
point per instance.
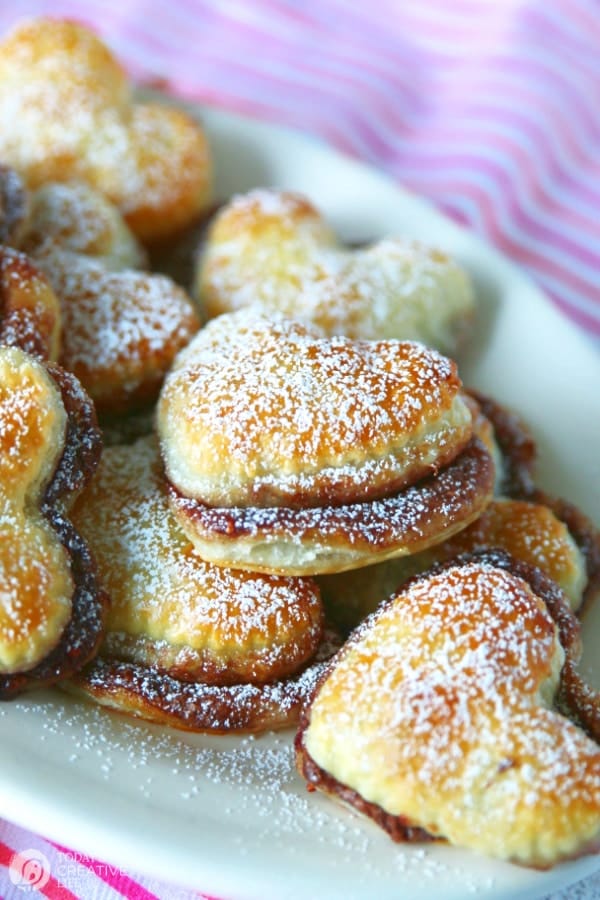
(51, 606)
(188, 644)
(261, 411)
(121, 327)
(273, 249)
(515, 458)
(172, 610)
(121, 330)
(29, 309)
(67, 112)
(528, 531)
(437, 719)
(74, 216)
(293, 453)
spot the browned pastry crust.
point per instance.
(29, 309)
(67, 112)
(83, 633)
(516, 445)
(14, 206)
(74, 216)
(519, 453)
(528, 531)
(338, 537)
(579, 701)
(575, 698)
(302, 420)
(585, 535)
(274, 250)
(240, 708)
(399, 828)
(170, 609)
(121, 330)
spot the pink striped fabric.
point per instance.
(488, 110)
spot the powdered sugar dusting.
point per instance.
(298, 414)
(272, 249)
(120, 329)
(445, 699)
(464, 485)
(77, 218)
(162, 590)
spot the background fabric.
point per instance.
(490, 110)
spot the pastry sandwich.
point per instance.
(187, 643)
(308, 456)
(152, 161)
(292, 453)
(52, 605)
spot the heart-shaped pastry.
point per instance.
(438, 720)
(51, 605)
(67, 112)
(121, 328)
(224, 649)
(279, 444)
(273, 249)
(74, 216)
(171, 609)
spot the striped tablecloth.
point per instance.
(489, 109)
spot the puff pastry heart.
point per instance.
(273, 249)
(279, 444)
(30, 316)
(528, 531)
(51, 605)
(438, 719)
(77, 119)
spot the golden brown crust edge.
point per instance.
(317, 540)
(84, 631)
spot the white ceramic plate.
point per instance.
(229, 816)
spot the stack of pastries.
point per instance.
(266, 497)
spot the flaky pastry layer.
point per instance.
(528, 531)
(334, 538)
(121, 329)
(151, 160)
(30, 315)
(74, 216)
(241, 708)
(52, 609)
